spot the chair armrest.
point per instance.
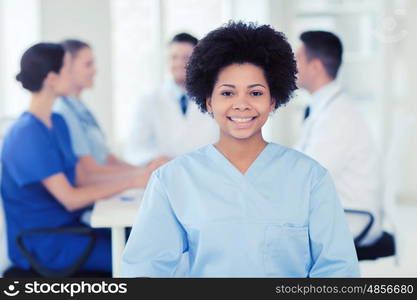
(368, 226)
(71, 269)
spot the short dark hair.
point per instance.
(73, 46)
(184, 37)
(239, 42)
(326, 47)
(37, 62)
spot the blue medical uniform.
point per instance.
(31, 153)
(282, 218)
(86, 135)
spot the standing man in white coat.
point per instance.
(334, 132)
(166, 122)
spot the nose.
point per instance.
(241, 103)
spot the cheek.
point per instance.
(91, 73)
(265, 108)
(300, 68)
(176, 63)
(218, 107)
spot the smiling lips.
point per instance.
(242, 122)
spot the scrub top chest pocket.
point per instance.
(286, 250)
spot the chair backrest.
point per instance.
(394, 162)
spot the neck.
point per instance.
(41, 106)
(181, 84)
(77, 92)
(319, 83)
(241, 152)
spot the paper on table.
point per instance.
(114, 212)
(132, 194)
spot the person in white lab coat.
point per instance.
(166, 123)
(335, 133)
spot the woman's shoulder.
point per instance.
(57, 118)
(26, 133)
(191, 160)
(60, 106)
(292, 154)
(25, 124)
(296, 161)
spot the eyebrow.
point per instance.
(249, 86)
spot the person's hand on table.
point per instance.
(157, 162)
(140, 177)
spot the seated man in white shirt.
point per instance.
(334, 132)
(166, 124)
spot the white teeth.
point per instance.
(241, 120)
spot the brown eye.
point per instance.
(256, 93)
(226, 93)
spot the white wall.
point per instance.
(251, 11)
(89, 21)
(19, 29)
(401, 75)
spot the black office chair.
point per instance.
(383, 247)
(38, 270)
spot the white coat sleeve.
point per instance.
(157, 240)
(331, 143)
(141, 146)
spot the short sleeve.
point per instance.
(79, 138)
(157, 240)
(31, 155)
(331, 242)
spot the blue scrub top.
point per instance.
(31, 153)
(282, 218)
(86, 135)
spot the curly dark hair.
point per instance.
(239, 42)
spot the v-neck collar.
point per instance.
(40, 122)
(259, 163)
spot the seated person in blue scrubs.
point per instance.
(88, 140)
(242, 207)
(40, 183)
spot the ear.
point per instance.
(208, 105)
(272, 106)
(50, 79)
(317, 65)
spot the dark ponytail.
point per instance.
(37, 62)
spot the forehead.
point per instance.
(181, 48)
(245, 73)
(83, 53)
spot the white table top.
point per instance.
(117, 211)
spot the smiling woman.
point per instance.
(241, 101)
(242, 207)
